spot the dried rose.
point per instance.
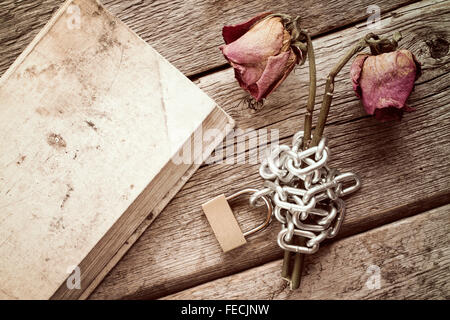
(261, 54)
(384, 82)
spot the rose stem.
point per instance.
(312, 91)
(326, 103)
(298, 261)
(329, 87)
(286, 263)
(299, 257)
(371, 40)
(297, 271)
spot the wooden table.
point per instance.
(397, 224)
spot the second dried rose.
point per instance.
(384, 82)
(260, 52)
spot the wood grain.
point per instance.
(412, 257)
(187, 33)
(402, 165)
(77, 88)
(427, 37)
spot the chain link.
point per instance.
(305, 192)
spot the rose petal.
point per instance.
(260, 53)
(388, 114)
(386, 81)
(276, 71)
(247, 75)
(355, 72)
(234, 32)
(391, 113)
(262, 41)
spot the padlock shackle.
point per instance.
(266, 202)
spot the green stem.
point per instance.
(298, 266)
(312, 92)
(329, 87)
(377, 46)
(299, 258)
(326, 103)
(286, 264)
(298, 261)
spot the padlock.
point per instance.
(224, 223)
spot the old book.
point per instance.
(93, 122)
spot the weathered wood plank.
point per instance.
(187, 33)
(411, 257)
(427, 37)
(80, 116)
(401, 165)
(180, 250)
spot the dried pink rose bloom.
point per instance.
(384, 82)
(260, 52)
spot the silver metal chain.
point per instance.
(305, 192)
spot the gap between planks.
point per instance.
(166, 26)
(295, 80)
(411, 257)
(138, 274)
(261, 248)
